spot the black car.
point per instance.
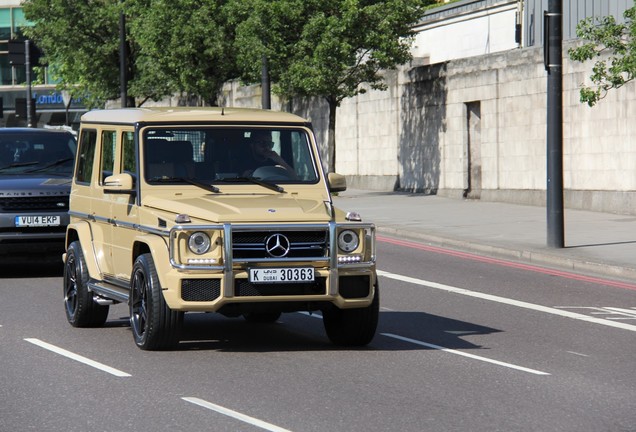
(36, 166)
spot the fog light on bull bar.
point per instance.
(202, 261)
(348, 259)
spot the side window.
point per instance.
(301, 155)
(129, 164)
(86, 156)
(107, 163)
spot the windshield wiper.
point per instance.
(268, 185)
(193, 182)
(51, 165)
(18, 164)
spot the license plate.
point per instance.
(37, 221)
(282, 275)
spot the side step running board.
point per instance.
(109, 291)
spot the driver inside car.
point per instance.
(261, 154)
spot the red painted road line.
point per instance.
(505, 263)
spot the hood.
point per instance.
(245, 208)
(33, 185)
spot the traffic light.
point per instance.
(21, 108)
(17, 50)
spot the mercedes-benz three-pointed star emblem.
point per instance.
(277, 245)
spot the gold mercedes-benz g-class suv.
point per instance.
(224, 210)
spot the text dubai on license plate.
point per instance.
(37, 221)
(282, 275)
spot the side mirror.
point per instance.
(119, 184)
(336, 182)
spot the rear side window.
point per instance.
(108, 153)
(86, 156)
(129, 163)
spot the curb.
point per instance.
(543, 258)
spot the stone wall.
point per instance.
(476, 128)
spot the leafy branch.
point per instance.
(613, 47)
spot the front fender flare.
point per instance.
(81, 231)
(158, 248)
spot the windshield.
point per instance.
(39, 151)
(228, 155)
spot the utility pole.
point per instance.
(27, 66)
(266, 98)
(123, 81)
(552, 53)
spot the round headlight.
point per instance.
(199, 243)
(348, 241)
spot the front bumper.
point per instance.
(338, 281)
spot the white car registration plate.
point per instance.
(37, 221)
(281, 275)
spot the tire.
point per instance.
(261, 317)
(352, 327)
(154, 325)
(81, 309)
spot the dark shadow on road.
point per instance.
(32, 266)
(298, 332)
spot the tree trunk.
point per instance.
(331, 136)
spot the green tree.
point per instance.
(264, 28)
(183, 46)
(80, 41)
(326, 48)
(173, 46)
(613, 45)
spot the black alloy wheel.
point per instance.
(154, 325)
(80, 306)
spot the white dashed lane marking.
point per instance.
(234, 414)
(78, 358)
(508, 301)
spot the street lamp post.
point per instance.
(27, 66)
(553, 37)
(266, 98)
(123, 81)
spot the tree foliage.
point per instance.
(173, 46)
(184, 47)
(613, 47)
(81, 40)
(333, 49)
(264, 28)
(345, 43)
(326, 48)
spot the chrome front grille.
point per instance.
(302, 244)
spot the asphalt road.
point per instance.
(465, 343)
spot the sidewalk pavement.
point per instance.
(601, 244)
